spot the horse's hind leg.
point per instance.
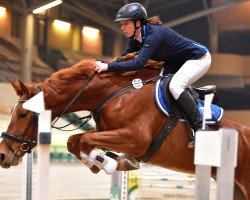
(73, 147)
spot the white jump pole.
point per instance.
(226, 170)
(43, 156)
(203, 172)
(27, 176)
(119, 185)
(217, 149)
(36, 104)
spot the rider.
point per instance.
(187, 59)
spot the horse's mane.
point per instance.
(82, 70)
(65, 77)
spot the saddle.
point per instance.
(169, 107)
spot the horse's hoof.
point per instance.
(126, 163)
(95, 169)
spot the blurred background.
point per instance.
(35, 43)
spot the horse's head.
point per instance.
(21, 134)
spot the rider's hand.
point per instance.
(101, 67)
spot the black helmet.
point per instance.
(132, 11)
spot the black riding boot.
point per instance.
(191, 111)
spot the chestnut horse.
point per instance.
(128, 123)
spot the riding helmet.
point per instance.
(132, 11)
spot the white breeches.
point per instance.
(189, 73)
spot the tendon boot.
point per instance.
(191, 111)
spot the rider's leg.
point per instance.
(191, 111)
(189, 73)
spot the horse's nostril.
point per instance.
(2, 157)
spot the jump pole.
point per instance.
(27, 176)
(36, 104)
(119, 185)
(43, 156)
(215, 149)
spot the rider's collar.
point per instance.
(139, 38)
(143, 34)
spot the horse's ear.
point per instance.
(24, 88)
(16, 88)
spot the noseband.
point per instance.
(26, 145)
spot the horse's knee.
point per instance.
(85, 144)
(73, 143)
(71, 146)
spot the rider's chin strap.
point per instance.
(144, 32)
(136, 28)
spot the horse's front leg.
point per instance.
(73, 147)
(119, 140)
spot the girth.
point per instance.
(157, 142)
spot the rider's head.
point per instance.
(133, 12)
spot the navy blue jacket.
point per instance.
(159, 43)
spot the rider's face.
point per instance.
(127, 27)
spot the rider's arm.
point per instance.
(150, 45)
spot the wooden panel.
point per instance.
(227, 64)
(242, 117)
(235, 15)
(92, 46)
(5, 24)
(247, 66)
(58, 39)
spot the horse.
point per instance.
(127, 123)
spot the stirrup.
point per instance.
(208, 89)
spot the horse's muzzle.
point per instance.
(2, 161)
(7, 163)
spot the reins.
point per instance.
(94, 113)
(61, 128)
(88, 117)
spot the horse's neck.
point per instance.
(98, 90)
(87, 100)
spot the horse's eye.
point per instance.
(22, 116)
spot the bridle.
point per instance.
(26, 145)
